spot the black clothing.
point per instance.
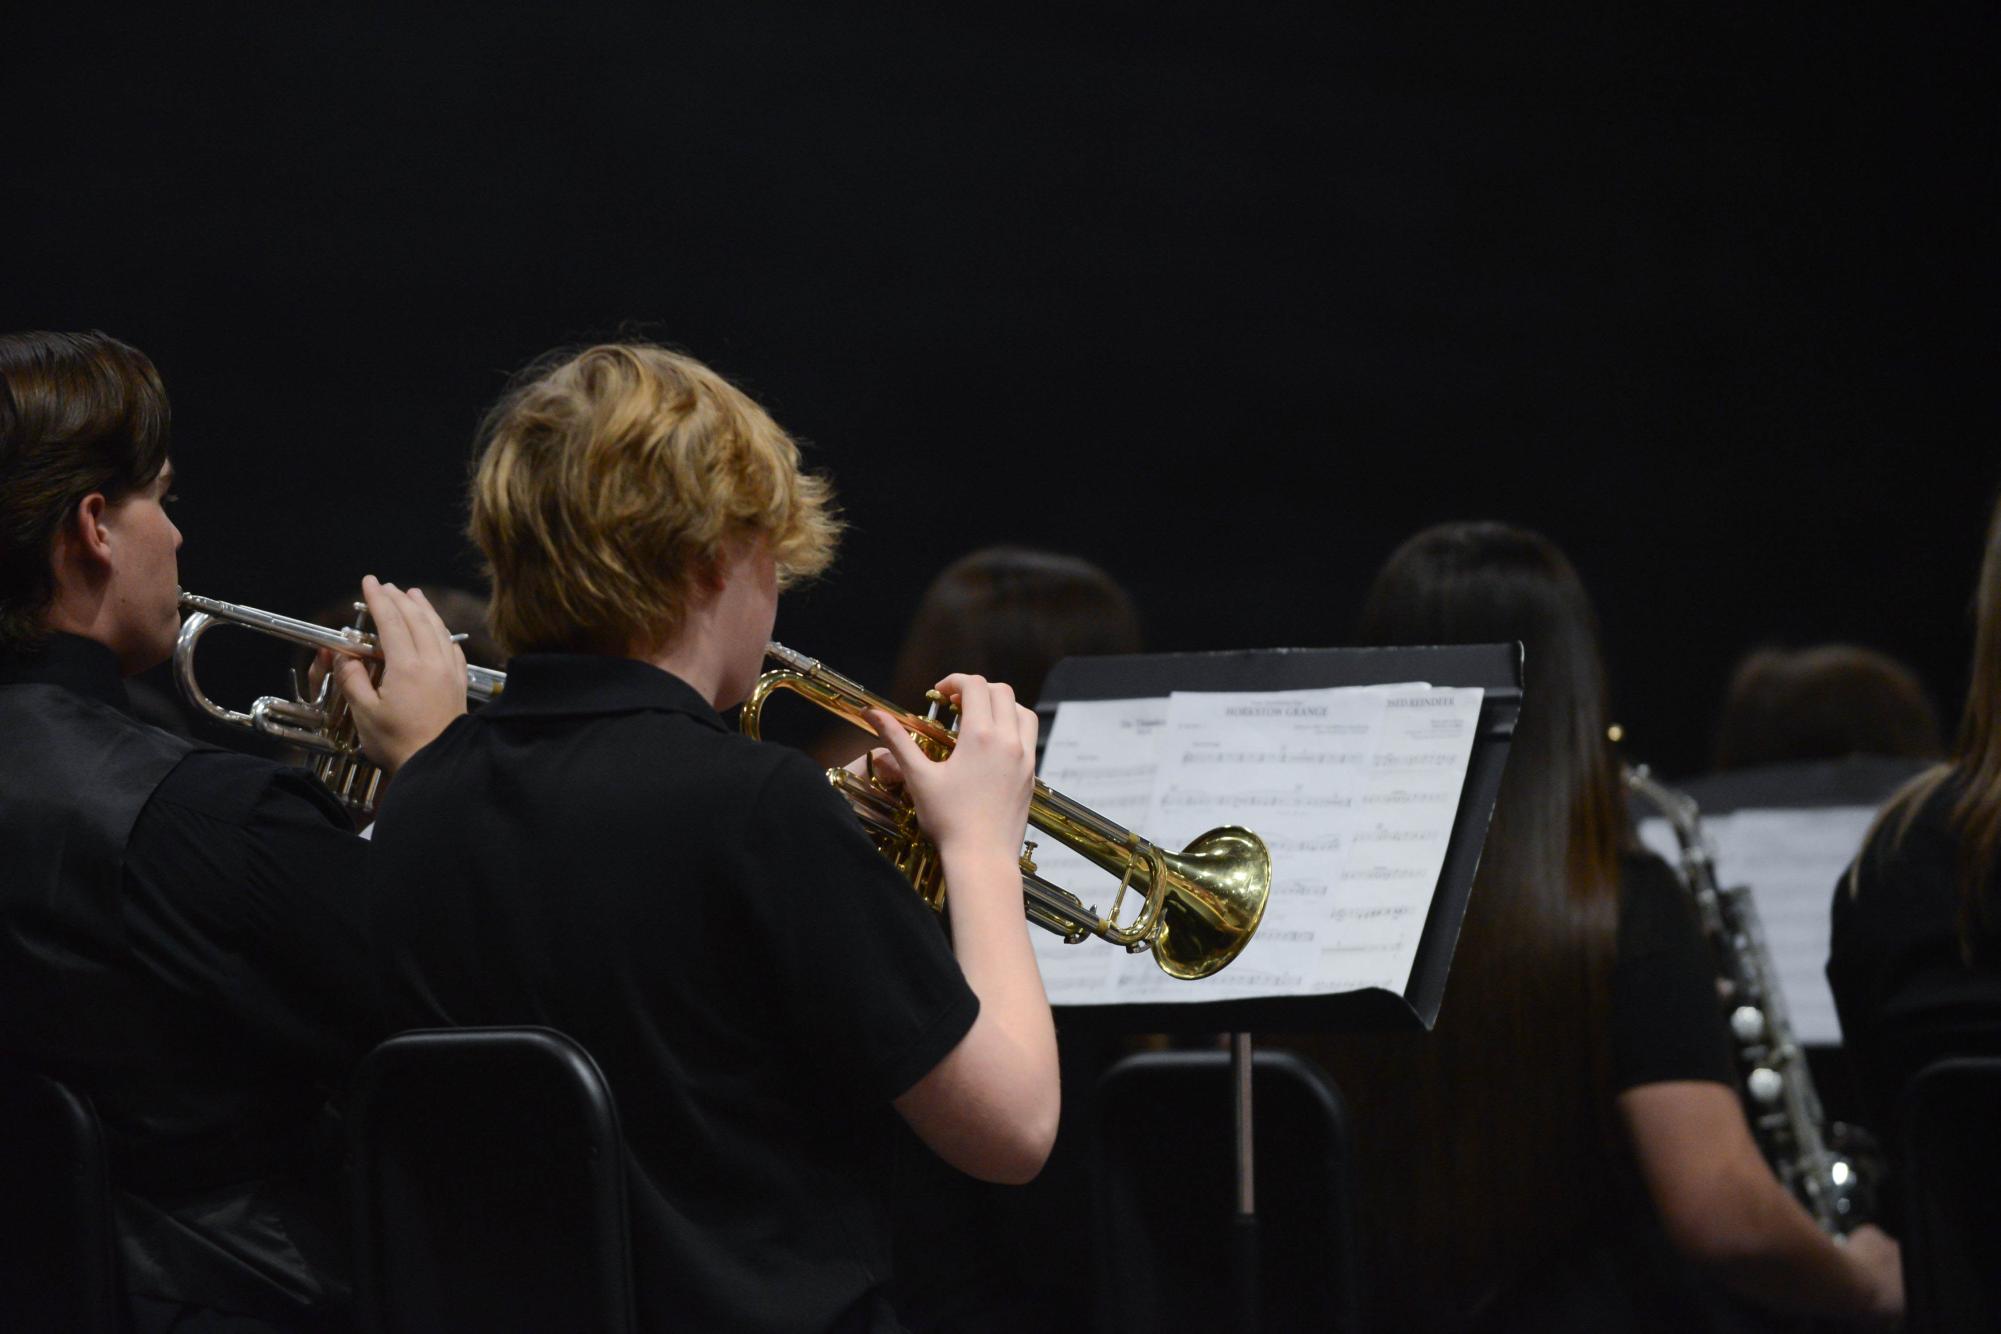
(1905, 995)
(1622, 1272)
(180, 939)
(1665, 1022)
(598, 853)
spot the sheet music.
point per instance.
(1792, 860)
(1102, 753)
(1353, 789)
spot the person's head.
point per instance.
(1471, 583)
(623, 488)
(1823, 703)
(85, 545)
(1010, 614)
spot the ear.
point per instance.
(88, 534)
(709, 576)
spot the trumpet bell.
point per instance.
(1217, 889)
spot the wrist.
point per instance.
(974, 852)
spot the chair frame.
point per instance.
(400, 1065)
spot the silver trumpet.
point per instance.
(322, 725)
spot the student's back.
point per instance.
(597, 853)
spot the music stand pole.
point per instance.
(1244, 1260)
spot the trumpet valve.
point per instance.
(1028, 856)
(939, 701)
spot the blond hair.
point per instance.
(609, 482)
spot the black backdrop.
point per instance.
(1225, 300)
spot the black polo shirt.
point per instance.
(599, 853)
(181, 939)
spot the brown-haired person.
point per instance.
(1009, 613)
(180, 929)
(1578, 1085)
(598, 852)
(1825, 702)
(1915, 956)
(1826, 725)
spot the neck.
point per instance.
(85, 613)
(694, 655)
(686, 661)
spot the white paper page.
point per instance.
(1791, 860)
(1415, 778)
(1354, 791)
(1101, 753)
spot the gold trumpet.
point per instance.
(1198, 907)
(321, 725)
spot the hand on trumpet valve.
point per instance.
(421, 686)
(977, 797)
(879, 766)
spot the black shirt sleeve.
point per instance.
(871, 987)
(1666, 1021)
(244, 885)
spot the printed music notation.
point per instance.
(1353, 789)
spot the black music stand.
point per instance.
(1497, 670)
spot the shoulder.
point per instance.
(606, 769)
(78, 729)
(1645, 874)
(783, 773)
(1648, 885)
(237, 789)
(1655, 913)
(790, 800)
(1912, 847)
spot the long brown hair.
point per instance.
(1974, 769)
(79, 413)
(1485, 1145)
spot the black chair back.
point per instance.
(1165, 1196)
(58, 1256)
(1951, 1133)
(489, 1186)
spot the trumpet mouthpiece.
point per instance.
(798, 662)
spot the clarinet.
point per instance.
(1815, 1161)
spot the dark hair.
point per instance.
(1976, 761)
(79, 413)
(1010, 614)
(1822, 703)
(1490, 1138)
(1972, 773)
